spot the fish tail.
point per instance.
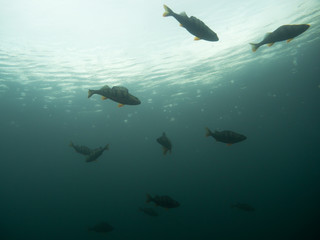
(208, 132)
(90, 93)
(165, 150)
(254, 46)
(168, 11)
(149, 198)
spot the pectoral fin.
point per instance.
(104, 98)
(196, 39)
(289, 40)
(270, 44)
(120, 105)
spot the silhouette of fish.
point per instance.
(193, 25)
(285, 32)
(102, 227)
(228, 137)
(96, 153)
(118, 94)
(165, 143)
(163, 201)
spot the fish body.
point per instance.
(96, 153)
(193, 25)
(285, 32)
(149, 211)
(81, 149)
(165, 143)
(102, 227)
(228, 137)
(118, 94)
(163, 201)
(244, 207)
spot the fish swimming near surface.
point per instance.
(165, 143)
(118, 94)
(96, 153)
(285, 32)
(193, 25)
(81, 149)
(163, 201)
(227, 137)
(149, 211)
(243, 206)
(102, 227)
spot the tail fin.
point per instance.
(254, 46)
(208, 132)
(168, 11)
(164, 150)
(149, 198)
(90, 93)
(106, 147)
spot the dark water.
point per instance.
(48, 191)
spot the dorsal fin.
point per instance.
(183, 14)
(267, 34)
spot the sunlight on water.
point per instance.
(60, 53)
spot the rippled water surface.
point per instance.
(52, 52)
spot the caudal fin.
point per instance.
(168, 11)
(254, 46)
(208, 132)
(90, 93)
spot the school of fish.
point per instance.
(121, 95)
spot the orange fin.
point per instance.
(197, 39)
(120, 105)
(104, 98)
(289, 40)
(229, 144)
(180, 25)
(270, 44)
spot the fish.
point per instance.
(118, 94)
(193, 25)
(228, 137)
(163, 201)
(243, 206)
(81, 149)
(102, 227)
(285, 32)
(165, 142)
(149, 211)
(96, 153)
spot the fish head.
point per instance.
(176, 204)
(305, 26)
(242, 138)
(213, 37)
(135, 100)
